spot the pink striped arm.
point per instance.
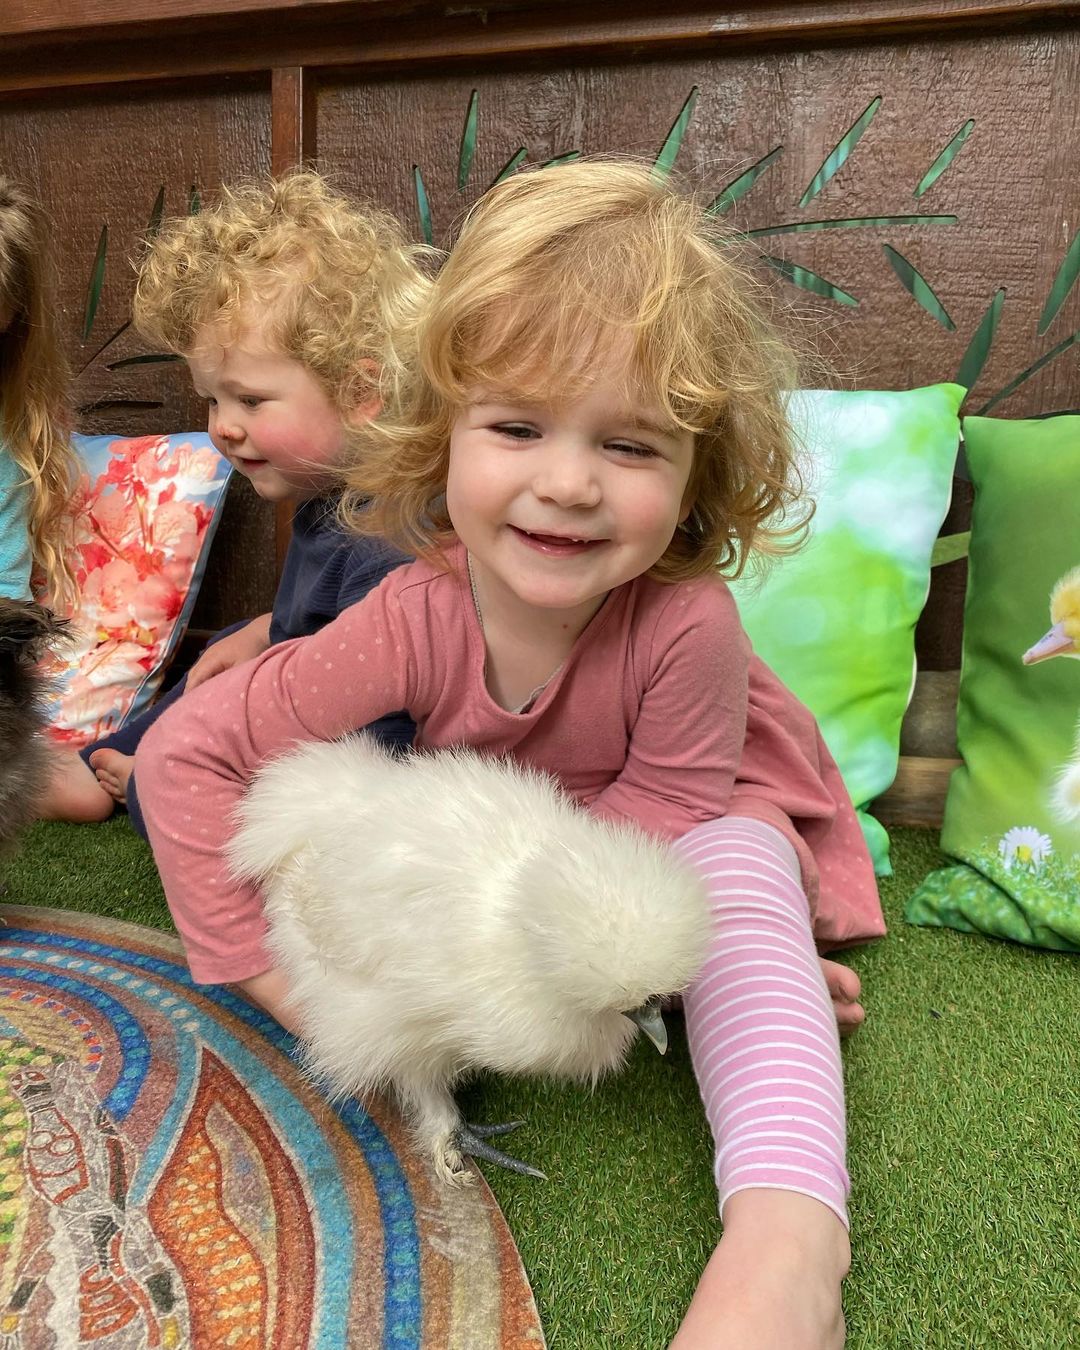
(760, 1022)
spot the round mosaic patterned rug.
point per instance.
(169, 1178)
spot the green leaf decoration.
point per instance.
(809, 281)
(666, 156)
(739, 187)
(561, 159)
(917, 286)
(934, 172)
(156, 212)
(851, 223)
(422, 207)
(1063, 284)
(1051, 355)
(149, 359)
(194, 201)
(949, 547)
(979, 346)
(468, 143)
(510, 166)
(837, 157)
(97, 280)
(107, 343)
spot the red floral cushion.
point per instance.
(145, 515)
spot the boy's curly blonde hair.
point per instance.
(325, 280)
(35, 410)
(556, 271)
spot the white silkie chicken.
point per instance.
(1063, 639)
(444, 913)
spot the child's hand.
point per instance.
(774, 1281)
(243, 645)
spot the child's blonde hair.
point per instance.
(325, 280)
(556, 271)
(35, 410)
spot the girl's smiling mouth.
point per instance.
(555, 544)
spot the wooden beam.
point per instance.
(292, 145)
(28, 17)
(53, 16)
(191, 38)
(292, 119)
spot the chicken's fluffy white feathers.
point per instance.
(445, 912)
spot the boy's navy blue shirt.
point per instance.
(326, 571)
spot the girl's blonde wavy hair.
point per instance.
(325, 280)
(557, 272)
(35, 410)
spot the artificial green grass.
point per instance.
(963, 1096)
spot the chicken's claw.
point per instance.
(472, 1141)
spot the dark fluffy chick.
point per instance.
(25, 632)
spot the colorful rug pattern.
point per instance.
(168, 1177)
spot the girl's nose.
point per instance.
(566, 477)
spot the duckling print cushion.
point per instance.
(836, 620)
(1012, 817)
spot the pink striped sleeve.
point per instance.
(760, 1022)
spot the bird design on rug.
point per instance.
(1063, 639)
(444, 913)
(81, 1250)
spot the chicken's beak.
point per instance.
(1055, 643)
(648, 1018)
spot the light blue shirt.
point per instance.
(16, 558)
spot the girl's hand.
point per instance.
(773, 1282)
(243, 645)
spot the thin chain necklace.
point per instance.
(472, 587)
(523, 707)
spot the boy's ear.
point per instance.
(364, 412)
(369, 401)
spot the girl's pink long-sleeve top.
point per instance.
(661, 715)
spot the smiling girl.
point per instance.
(594, 431)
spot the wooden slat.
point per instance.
(24, 17)
(218, 38)
(292, 144)
(61, 16)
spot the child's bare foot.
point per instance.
(775, 1279)
(74, 793)
(844, 990)
(113, 771)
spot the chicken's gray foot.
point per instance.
(472, 1140)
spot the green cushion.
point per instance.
(836, 621)
(1019, 876)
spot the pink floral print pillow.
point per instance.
(145, 514)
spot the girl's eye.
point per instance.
(211, 401)
(516, 431)
(249, 401)
(632, 449)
